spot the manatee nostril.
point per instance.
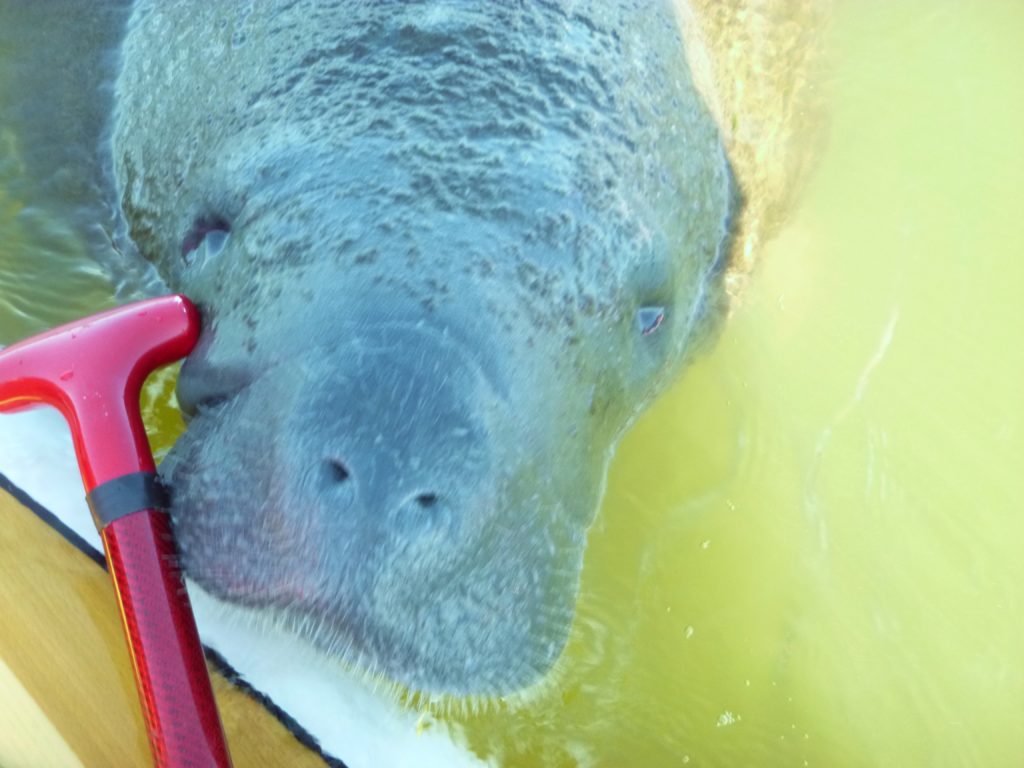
(338, 471)
(426, 500)
(424, 512)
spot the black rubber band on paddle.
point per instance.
(125, 495)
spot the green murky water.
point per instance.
(809, 553)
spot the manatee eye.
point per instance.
(649, 319)
(204, 241)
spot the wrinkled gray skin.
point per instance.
(423, 331)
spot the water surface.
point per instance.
(809, 552)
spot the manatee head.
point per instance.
(444, 253)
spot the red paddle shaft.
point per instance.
(92, 371)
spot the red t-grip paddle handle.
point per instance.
(92, 371)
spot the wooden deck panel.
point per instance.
(62, 647)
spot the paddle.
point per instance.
(92, 372)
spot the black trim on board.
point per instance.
(304, 737)
(53, 521)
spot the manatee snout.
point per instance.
(444, 253)
(380, 426)
(401, 512)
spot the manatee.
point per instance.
(444, 253)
